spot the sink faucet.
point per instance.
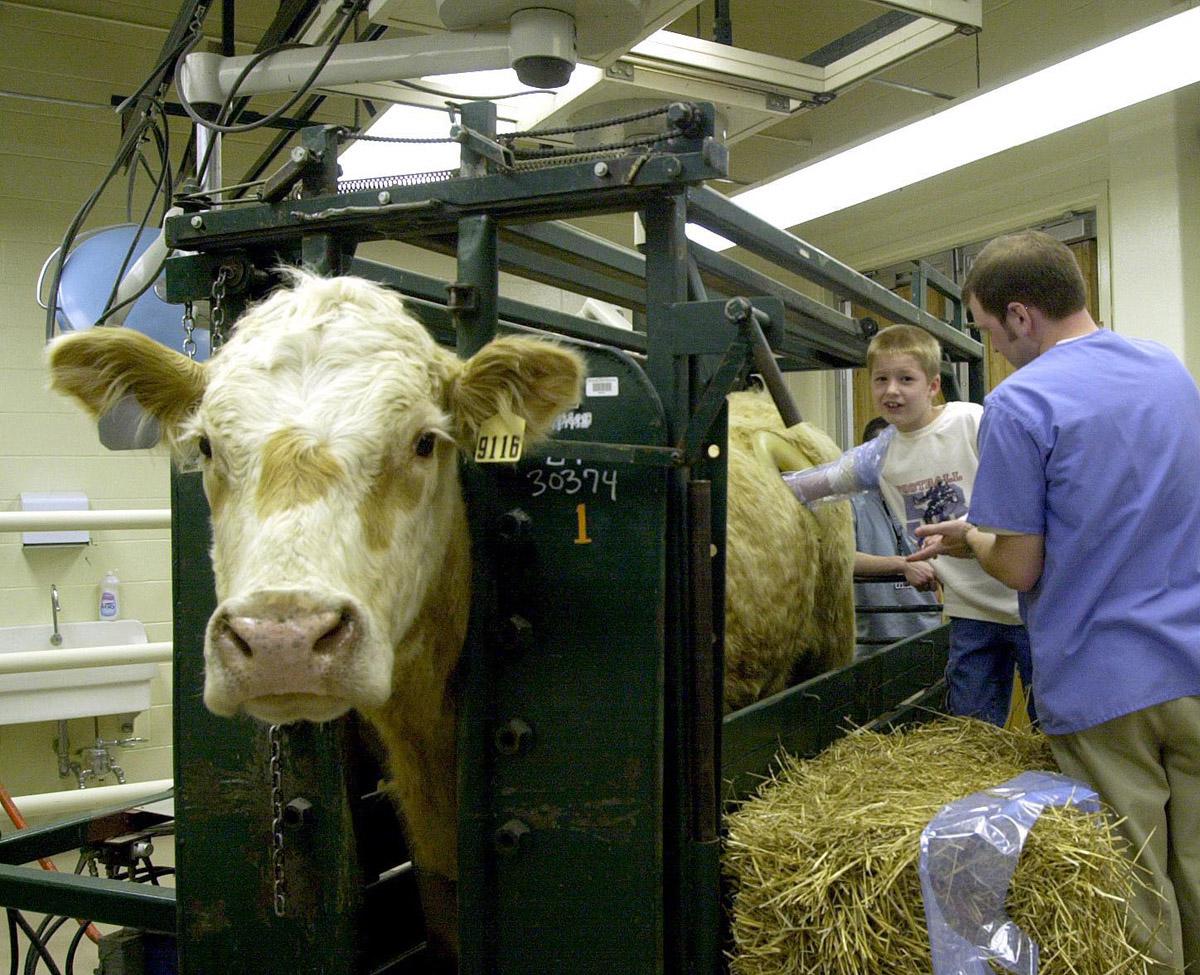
(55, 609)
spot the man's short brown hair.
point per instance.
(907, 340)
(1032, 268)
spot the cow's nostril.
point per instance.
(227, 635)
(337, 636)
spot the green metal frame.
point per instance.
(592, 747)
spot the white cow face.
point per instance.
(327, 430)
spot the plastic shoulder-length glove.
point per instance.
(856, 471)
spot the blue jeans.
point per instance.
(979, 673)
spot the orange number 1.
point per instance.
(581, 518)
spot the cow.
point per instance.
(788, 570)
(328, 430)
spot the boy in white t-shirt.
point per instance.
(926, 477)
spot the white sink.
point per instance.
(55, 694)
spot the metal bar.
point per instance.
(429, 209)
(27, 845)
(828, 329)
(143, 906)
(671, 375)
(857, 39)
(966, 14)
(430, 293)
(939, 282)
(717, 213)
(587, 250)
(711, 402)
(806, 718)
(609, 453)
(741, 311)
(704, 720)
(35, 661)
(558, 270)
(191, 12)
(475, 311)
(928, 608)
(696, 291)
(43, 521)
(227, 24)
(976, 381)
(705, 805)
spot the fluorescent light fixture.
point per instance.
(362, 160)
(1148, 62)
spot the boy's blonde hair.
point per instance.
(907, 340)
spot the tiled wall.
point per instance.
(47, 445)
(51, 157)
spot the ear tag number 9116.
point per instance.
(501, 439)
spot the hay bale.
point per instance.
(824, 859)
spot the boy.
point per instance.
(881, 547)
(927, 476)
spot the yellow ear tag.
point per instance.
(501, 439)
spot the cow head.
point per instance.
(328, 431)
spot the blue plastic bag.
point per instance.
(969, 851)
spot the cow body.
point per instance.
(328, 431)
(789, 602)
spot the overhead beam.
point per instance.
(718, 213)
(965, 14)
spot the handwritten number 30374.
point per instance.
(588, 480)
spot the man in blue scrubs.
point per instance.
(1087, 502)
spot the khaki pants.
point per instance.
(1146, 766)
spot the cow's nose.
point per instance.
(286, 635)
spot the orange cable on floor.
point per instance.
(10, 807)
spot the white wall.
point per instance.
(1136, 167)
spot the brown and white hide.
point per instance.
(789, 570)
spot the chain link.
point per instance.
(583, 127)
(278, 881)
(189, 329)
(217, 314)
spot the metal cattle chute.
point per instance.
(594, 761)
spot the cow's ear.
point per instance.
(101, 366)
(531, 378)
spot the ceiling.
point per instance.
(1018, 36)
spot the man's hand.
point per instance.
(944, 538)
(1014, 559)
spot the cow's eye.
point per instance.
(425, 444)
(205, 447)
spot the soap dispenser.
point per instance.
(110, 601)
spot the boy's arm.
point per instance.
(1014, 559)
(919, 575)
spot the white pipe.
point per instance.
(144, 270)
(209, 77)
(52, 805)
(37, 661)
(51, 521)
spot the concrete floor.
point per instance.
(86, 956)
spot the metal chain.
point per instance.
(278, 881)
(607, 147)
(189, 328)
(216, 327)
(583, 127)
(346, 135)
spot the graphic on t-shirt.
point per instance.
(934, 499)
